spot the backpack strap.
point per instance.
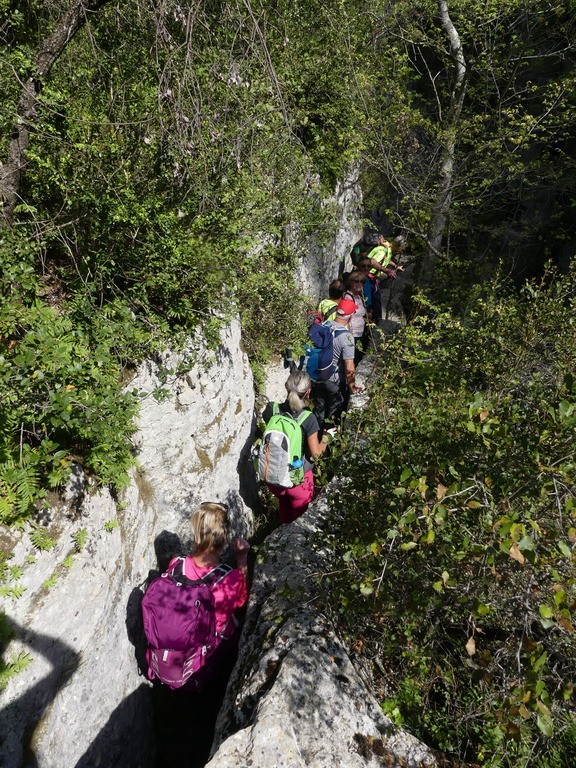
(301, 418)
(178, 573)
(217, 574)
(331, 311)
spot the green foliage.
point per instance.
(111, 525)
(50, 582)
(163, 193)
(512, 193)
(17, 664)
(457, 530)
(41, 540)
(60, 380)
(80, 537)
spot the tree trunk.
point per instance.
(441, 208)
(11, 172)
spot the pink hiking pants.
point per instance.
(294, 501)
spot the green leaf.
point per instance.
(540, 661)
(564, 548)
(526, 544)
(545, 725)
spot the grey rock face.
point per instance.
(295, 699)
(323, 263)
(80, 702)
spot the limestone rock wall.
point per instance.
(323, 263)
(80, 702)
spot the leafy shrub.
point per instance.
(60, 398)
(457, 525)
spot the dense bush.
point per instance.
(457, 526)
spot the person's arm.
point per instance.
(376, 265)
(350, 373)
(316, 447)
(241, 547)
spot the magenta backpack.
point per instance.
(180, 626)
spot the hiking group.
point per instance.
(339, 333)
(191, 613)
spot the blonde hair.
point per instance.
(297, 384)
(355, 276)
(209, 527)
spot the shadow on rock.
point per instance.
(126, 741)
(20, 717)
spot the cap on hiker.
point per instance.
(346, 307)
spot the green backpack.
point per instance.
(281, 455)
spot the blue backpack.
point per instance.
(320, 353)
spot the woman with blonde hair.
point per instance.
(210, 530)
(294, 501)
(185, 718)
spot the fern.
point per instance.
(15, 572)
(16, 665)
(41, 540)
(19, 489)
(50, 582)
(80, 537)
(15, 591)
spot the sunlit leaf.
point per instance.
(564, 548)
(545, 611)
(545, 725)
(526, 544)
(516, 554)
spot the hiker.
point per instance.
(381, 268)
(363, 246)
(185, 718)
(381, 258)
(357, 325)
(294, 500)
(327, 307)
(371, 285)
(330, 397)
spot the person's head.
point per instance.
(355, 282)
(371, 238)
(400, 244)
(210, 527)
(345, 310)
(382, 241)
(298, 386)
(365, 265)
(336, 290)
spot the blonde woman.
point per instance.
(185, 718)
(210, 530)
